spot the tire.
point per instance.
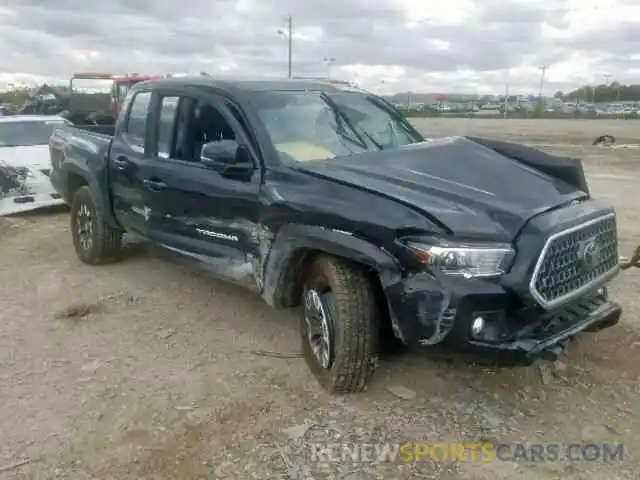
(95, 242)
(343, 295)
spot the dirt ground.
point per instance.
(149, 370)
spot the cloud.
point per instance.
(387, 45)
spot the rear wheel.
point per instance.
(95, 241)
(339, 325)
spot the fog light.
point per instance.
(477, 326)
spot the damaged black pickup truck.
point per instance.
(325, 197)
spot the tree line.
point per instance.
(612, 92)
(15, 97)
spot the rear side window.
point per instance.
(137, 122)
(166, 125)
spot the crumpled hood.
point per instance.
(24, 180)
(472, 190)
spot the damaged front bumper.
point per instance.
(482, 320)
(547, 337)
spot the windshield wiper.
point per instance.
(342, 121)
(342, 116)
(378, 146)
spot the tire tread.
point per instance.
(354, 300)
(107, 241)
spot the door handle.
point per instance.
(154, 185)
(121, 162)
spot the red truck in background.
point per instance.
(119, 88)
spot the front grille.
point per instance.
(575, 260)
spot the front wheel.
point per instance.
(339, 325)
(94, 240)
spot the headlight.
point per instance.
(466, 260)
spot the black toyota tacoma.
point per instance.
(325, 197)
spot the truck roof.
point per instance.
(250, 85)
(31, 118)
(136, 78)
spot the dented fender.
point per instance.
(417, 305)
(426, 307)
(291, 239)
(420, 305)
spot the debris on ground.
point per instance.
(297, 431)
(262, 353)
(401, 392)
(604, 140)
(610, 141)
(546, 373)
(13, 466)
(78, 311)
(166, 333)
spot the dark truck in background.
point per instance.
(325, 197)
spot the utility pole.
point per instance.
(288, 34)
(329, 61)
(290, 38)
(543, 70)
(506, 100)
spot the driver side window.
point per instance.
(186, 124)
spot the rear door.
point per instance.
(129, 165)
(203, 213)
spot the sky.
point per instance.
(387, 46)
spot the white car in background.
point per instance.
(25, 164)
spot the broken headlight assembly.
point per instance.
(468, 260)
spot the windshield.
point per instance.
(24, 134)
(310, 125)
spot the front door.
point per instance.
(203, 214)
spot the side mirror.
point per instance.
(228, 158)
(222, 152)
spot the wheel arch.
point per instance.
(75, 178)
(296, 246)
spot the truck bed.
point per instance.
(79, 150)
(104, 130)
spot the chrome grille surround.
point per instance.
(575, 261)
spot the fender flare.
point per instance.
(70, 169)
(292, 239)
(94, 188)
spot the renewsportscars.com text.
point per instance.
(466, 452)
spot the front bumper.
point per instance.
(426, 311)
(525, 348)
(520, 324)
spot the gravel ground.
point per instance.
(148, 370)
